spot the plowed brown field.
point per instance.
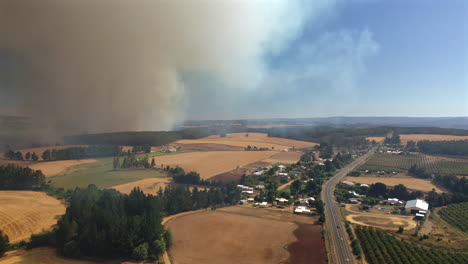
(245, 235)
(23, 213)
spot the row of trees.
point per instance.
(377, 191)
(459, 147)
(146, 148)
(131, 161)
(18, 155)
(13, 177)
(81, 152)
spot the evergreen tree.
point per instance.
(27, 156)
(46, 155)
(34, 156)
(153, 163)
(4, 243)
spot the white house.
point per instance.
(247, 192)
(281, 200)
(302, 210)
(258, 173)
(348, 183)
(414, 206)
(260, 187)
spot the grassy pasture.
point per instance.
(102, 175)
(433, 164)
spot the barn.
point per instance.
(414, 206)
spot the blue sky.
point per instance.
(374, 58)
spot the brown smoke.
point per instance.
(102, 65)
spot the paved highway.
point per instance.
(341, 249)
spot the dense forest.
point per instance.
(108, 224)
(459, 147)
(13, 177)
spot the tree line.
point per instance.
(458, 147)
(81, 152)
(131, 161)
(13, 177)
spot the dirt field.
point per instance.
(23, 213)
(245, 235)
(418, 137)
(52, 168)
(377, 139)
(288, 157)
(149, 186)
(409, 182)
(212, 163)
(41, 256)
(253, 139)
(383, 220)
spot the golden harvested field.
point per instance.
(211, 163)
(253, 139)
(149, 186)
(287, 157)
(377, 139)
(23, 213)
(418, 137)
(52, 168)
(410, 182)
(245, 235)
(41, 256)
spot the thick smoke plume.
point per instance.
(113, 65)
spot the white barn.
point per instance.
(414, 206)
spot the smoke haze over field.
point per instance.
(118, 65)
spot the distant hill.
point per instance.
(341, 121)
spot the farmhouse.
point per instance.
(302, 210)
(281, 200)
(249, 192)
(392, 201)
(348, 183)
(306, 201)
(414, 206)
(260, 187)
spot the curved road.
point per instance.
(341, 251)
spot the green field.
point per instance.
(432, 164)
(456, 215)
(102, 175)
